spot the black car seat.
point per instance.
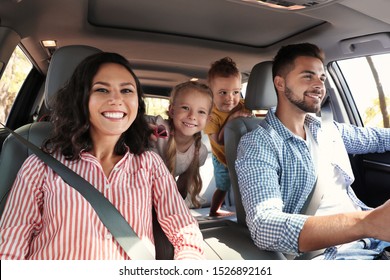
(260, 95)
(62, 65)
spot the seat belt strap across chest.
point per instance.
(108, 214)
(314, 199)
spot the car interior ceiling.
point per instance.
(113, 26)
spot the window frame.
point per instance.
(345, 94)
(349, 98)
(25, 99)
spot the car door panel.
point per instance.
(372, 184)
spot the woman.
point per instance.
(99, 132)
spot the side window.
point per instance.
(156, 105)
(12, 80)
(243, 89)
(367, 79)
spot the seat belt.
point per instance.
(108, 214)
(314, 199)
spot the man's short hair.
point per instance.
(284, 59)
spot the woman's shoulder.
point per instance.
(33, 164)
(148, 161)
(150, 157)
(34, 160)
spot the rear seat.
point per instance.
(260, 95)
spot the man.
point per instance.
(279, 163)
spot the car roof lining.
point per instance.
(178, 51)
(212, 23)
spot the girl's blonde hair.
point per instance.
(194, 180)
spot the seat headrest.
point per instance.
(260, 91)
(62, 65)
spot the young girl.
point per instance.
(99, 132)
(179, 138)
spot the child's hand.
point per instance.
(241, 113)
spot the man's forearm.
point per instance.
(321, 232)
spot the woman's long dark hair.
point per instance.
(70, 114)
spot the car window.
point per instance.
(12, 80)
(243, 89)
(367, 79)
(156, 105)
